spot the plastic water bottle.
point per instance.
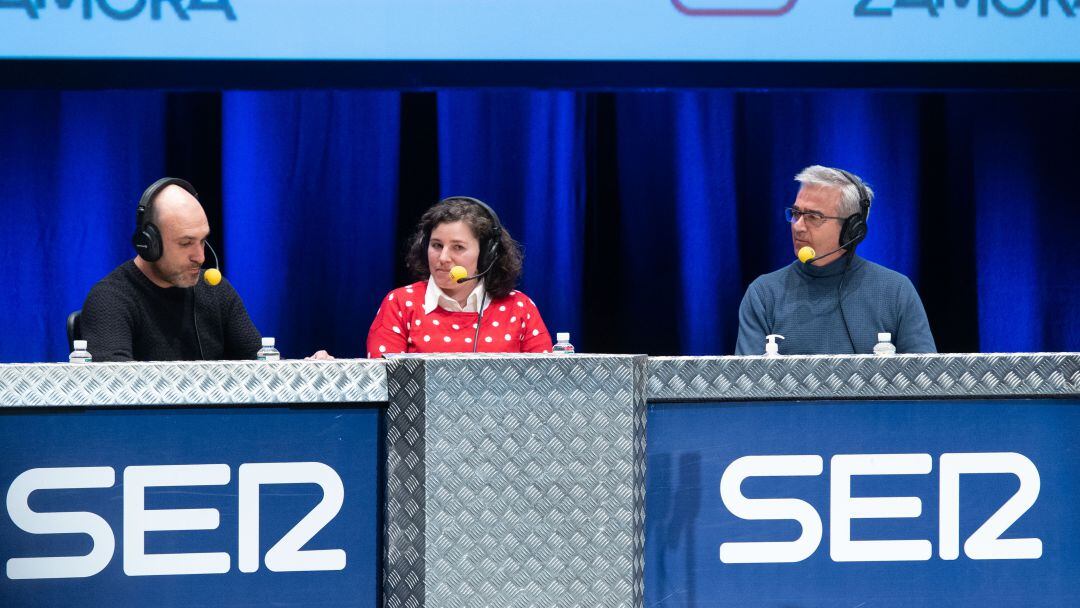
(562, 344)
(268, 352)
(884, 346)
(80, 354)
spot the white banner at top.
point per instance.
(709, 30)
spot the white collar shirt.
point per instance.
(435, 297)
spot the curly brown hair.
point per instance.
(507, 269)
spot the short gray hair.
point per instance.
(827, 176)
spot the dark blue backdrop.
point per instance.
(644, 215)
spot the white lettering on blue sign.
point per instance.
(76, 522)
(984, 543)
(284, 556)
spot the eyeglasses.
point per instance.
(813, 218)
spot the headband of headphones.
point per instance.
(864, 196)
(147, 237)
(153, 190)
(496, 228)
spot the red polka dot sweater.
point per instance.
(511, 324)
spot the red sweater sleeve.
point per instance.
(387, 333)
(536, 338)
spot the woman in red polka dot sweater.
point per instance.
(438, 314)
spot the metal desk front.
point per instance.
(520, 481)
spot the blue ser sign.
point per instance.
(882, 503)
(190, 507)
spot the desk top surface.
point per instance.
(669, 379)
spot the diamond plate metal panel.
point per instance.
(863, 376)
(640, 420)
(532, 475)
(404, 584)
(192, 383)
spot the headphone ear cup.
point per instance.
(853, 231)
(147, 242)
(490, 253)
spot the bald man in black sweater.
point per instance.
(153, 308)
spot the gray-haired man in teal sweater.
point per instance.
(831, 301)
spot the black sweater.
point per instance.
(127, 317)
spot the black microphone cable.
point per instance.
(479, 320)
(195, 302)
(840, 299)
(483, 300)
(195, 317)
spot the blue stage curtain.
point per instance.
(310, 196)
(703, 180)
(644, 215)
(1023, 180)
(679, 237)
(72, 168)
(522, 153)
(874, 135)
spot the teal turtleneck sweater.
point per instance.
(799, 302)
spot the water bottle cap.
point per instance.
(80, 344)
(884, 337)
(267, 341)
(562, 336)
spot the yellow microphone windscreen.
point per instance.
(458, 272)
(806, 254)
(212, 276)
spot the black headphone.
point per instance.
(147, 237)
(489, 245)
(854, 229)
